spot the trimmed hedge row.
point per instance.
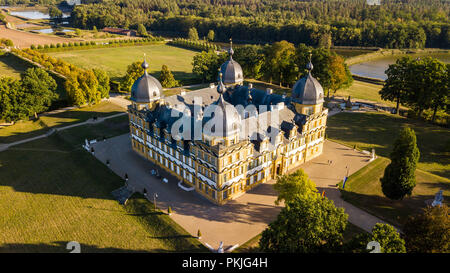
(92, 44)
(191, 44)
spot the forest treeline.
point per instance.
(393, 24)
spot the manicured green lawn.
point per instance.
(31, 128)
(11, 66)
(53, 192)
(379, 130)
(365, 91)
(346, 53)
(115, 60)
(363, 189)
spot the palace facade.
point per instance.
(249, 137)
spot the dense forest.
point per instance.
(393, 24)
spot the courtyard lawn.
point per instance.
(52, 192)
(26, 129)
(363, 189)
(115, 60)
(380, 130)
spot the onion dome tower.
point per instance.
(307, 93)
(232, 70)
(221, 120)
(146, 89)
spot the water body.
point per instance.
(34, 14)
(375, 68)
(50, 30)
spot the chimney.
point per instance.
(250, 85)
(269, 91)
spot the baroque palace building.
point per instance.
(250, 137)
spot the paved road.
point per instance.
(242, 218)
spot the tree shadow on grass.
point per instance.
(61, 247)
(64, 119)
(392, 211)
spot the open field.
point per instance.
(53, 192)
(379, 131)
(347, 53)
(26, 39)
(365, 91)
(363, 189)
(10, 66)
(115, 60)
(31, 128)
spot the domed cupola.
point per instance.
(147, 88)
(221, 119)
(308, 90)
(232, 70)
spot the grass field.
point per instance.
(31, 128)
(379, 131)
(11, 66)
(363, 189)
(53, 192)
(365, 91)
(115, 60)
(347, 53)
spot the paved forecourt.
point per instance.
(241, 219)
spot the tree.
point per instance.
(193, 34)
(166, 78)
(251, 59)
(205, 65)
(10, 92)
(55, 13)
(306, 225)
(329, 68)
(103, 82)
(325, 40)
(39, 88)
(428, 232)
(399, 176)
(134, 71)
(396, 85)
(279, 63)
(294, 185)
(142, 31)
(386, 235)
(210, 35)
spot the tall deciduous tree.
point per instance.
(39, 87)
(329, 68)
(166, 77)
(306, 225)
(193, 34)
(399, 177)
(396, 86)
(294, 185)
(386, 235)
(210, 35)
(251, 59)
(103, 82)
(142, 31)
(428, 232)
(279, 64)
(206, 64)
(134, 71)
